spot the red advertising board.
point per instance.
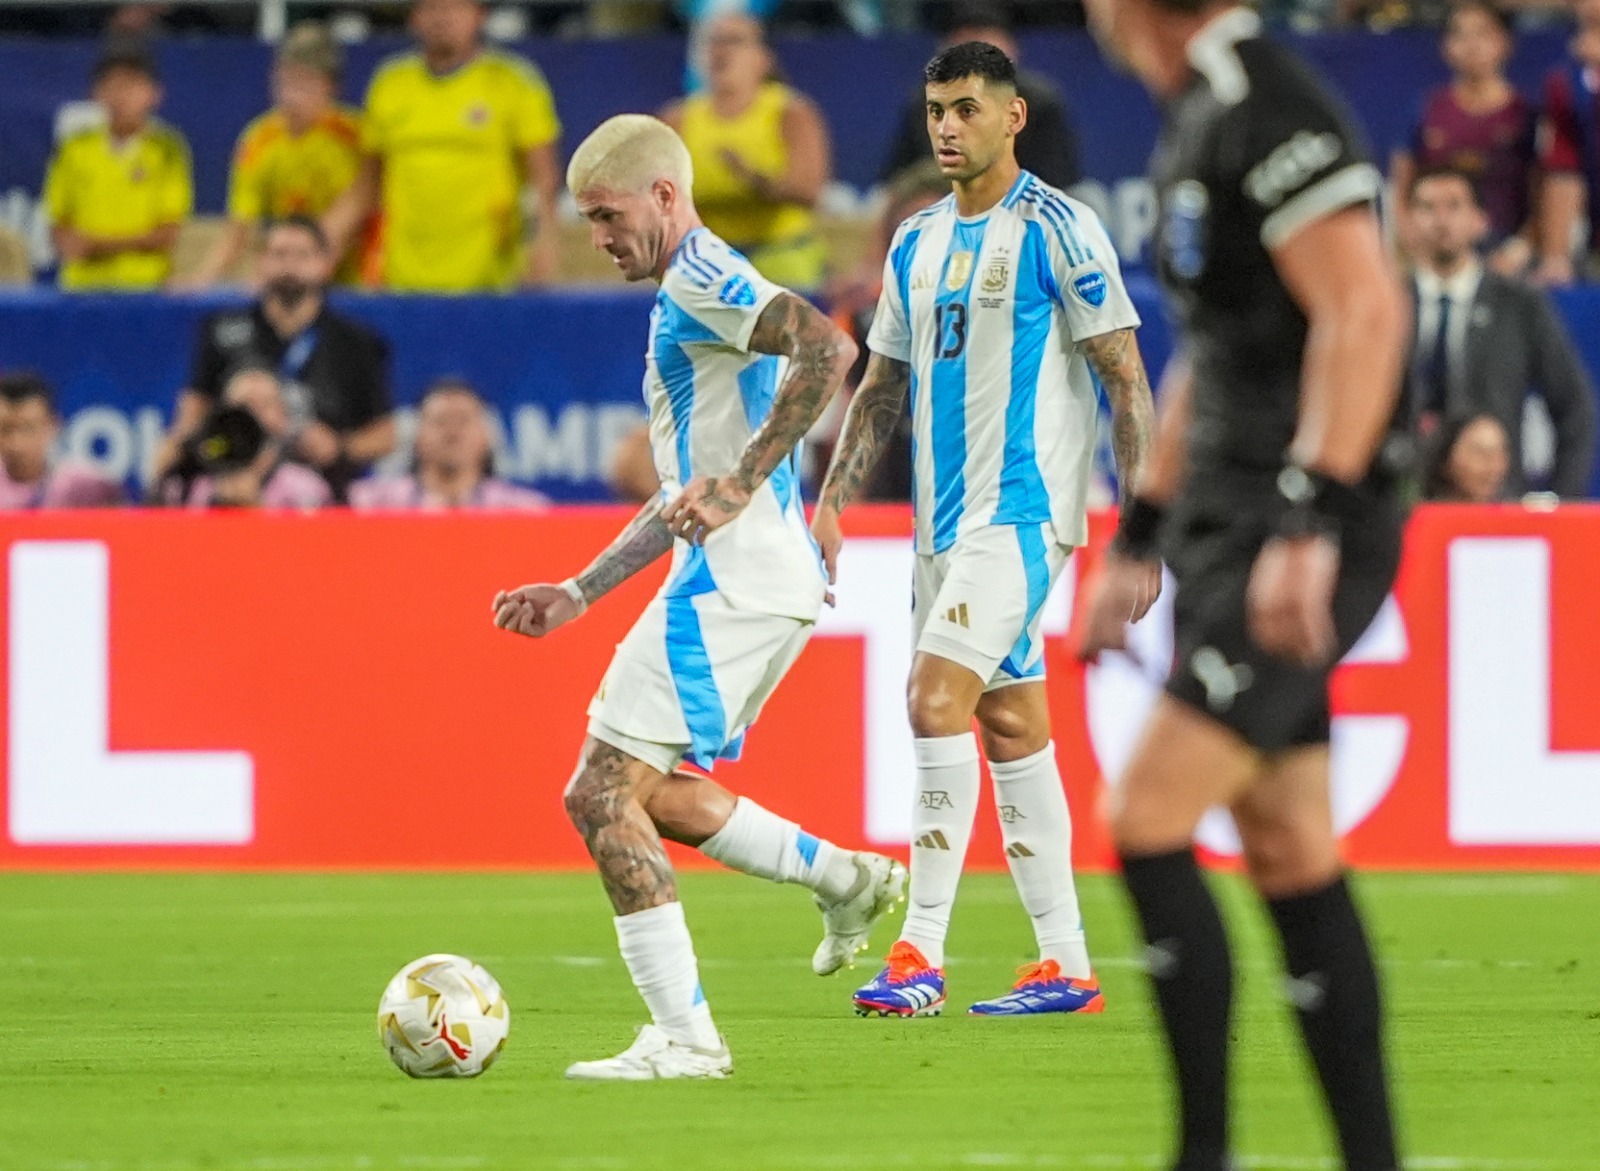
(328, 691)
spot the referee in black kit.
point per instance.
(1269, 488)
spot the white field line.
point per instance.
(809, 1161)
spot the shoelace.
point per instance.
(905, 962)
(1042, 972)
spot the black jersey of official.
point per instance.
(1253, 150)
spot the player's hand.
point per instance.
(829, 536)
(534, 610)
(830, 539)
(705, 505)
(1119, 593)
(318, 443)
(1290, 599)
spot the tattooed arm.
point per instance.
(536, 610)
(1125, 585)
(820, 354)
(868, 427)
(637, 546)
(1115, 358)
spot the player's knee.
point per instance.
(1009, 735)
(1286, 858)
(592, 799)
(1142, 824)
(935, 711)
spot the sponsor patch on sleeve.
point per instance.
(737, 292)
(1090, 288)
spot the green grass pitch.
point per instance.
(190, 1022)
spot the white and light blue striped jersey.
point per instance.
(707, 394)
(988, 312)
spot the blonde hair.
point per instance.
(628, 153)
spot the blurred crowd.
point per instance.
(448, 181)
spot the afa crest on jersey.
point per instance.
(996, 274)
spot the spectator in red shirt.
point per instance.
(29, 476)
(1478, 124)
(1569, 141)
(454, 466)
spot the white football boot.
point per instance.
(655, 1055)
(848, 923)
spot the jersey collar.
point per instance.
(1211, 53)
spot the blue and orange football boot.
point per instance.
(1041, 988)
(908, 986)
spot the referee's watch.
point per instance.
(1318, 505)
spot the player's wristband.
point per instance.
(1319, 505)
(571, 588)
(1139, 530)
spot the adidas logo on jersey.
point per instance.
(934, 840)
(1018, 850)
(957, 614)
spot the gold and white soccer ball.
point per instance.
(443, 1016)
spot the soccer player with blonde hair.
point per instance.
(737, 370)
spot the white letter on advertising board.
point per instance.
(1508, 787)
(65, 785)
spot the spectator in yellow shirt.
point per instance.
(295, 159)
(118, 192)
(452, 135)
(760, 151)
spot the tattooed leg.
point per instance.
(605, 800)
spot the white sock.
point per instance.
(941, 827)
(757, 841)
(1037, 830)
(655, 945)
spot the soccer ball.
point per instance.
(443, 1016)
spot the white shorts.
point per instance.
(978, 604)
(690, 678)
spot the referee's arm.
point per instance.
(1358, 319)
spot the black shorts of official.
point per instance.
(1217, 668)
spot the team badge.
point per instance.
(737, 292)
(1091, 288)
(1184, 232)
(995, 275)
(958, 271)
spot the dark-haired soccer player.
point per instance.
(1280, 522)
(996, 302)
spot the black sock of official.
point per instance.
(1187, 952)
(1334, 988)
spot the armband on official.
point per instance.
(1139, 531)
(1319, 505)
